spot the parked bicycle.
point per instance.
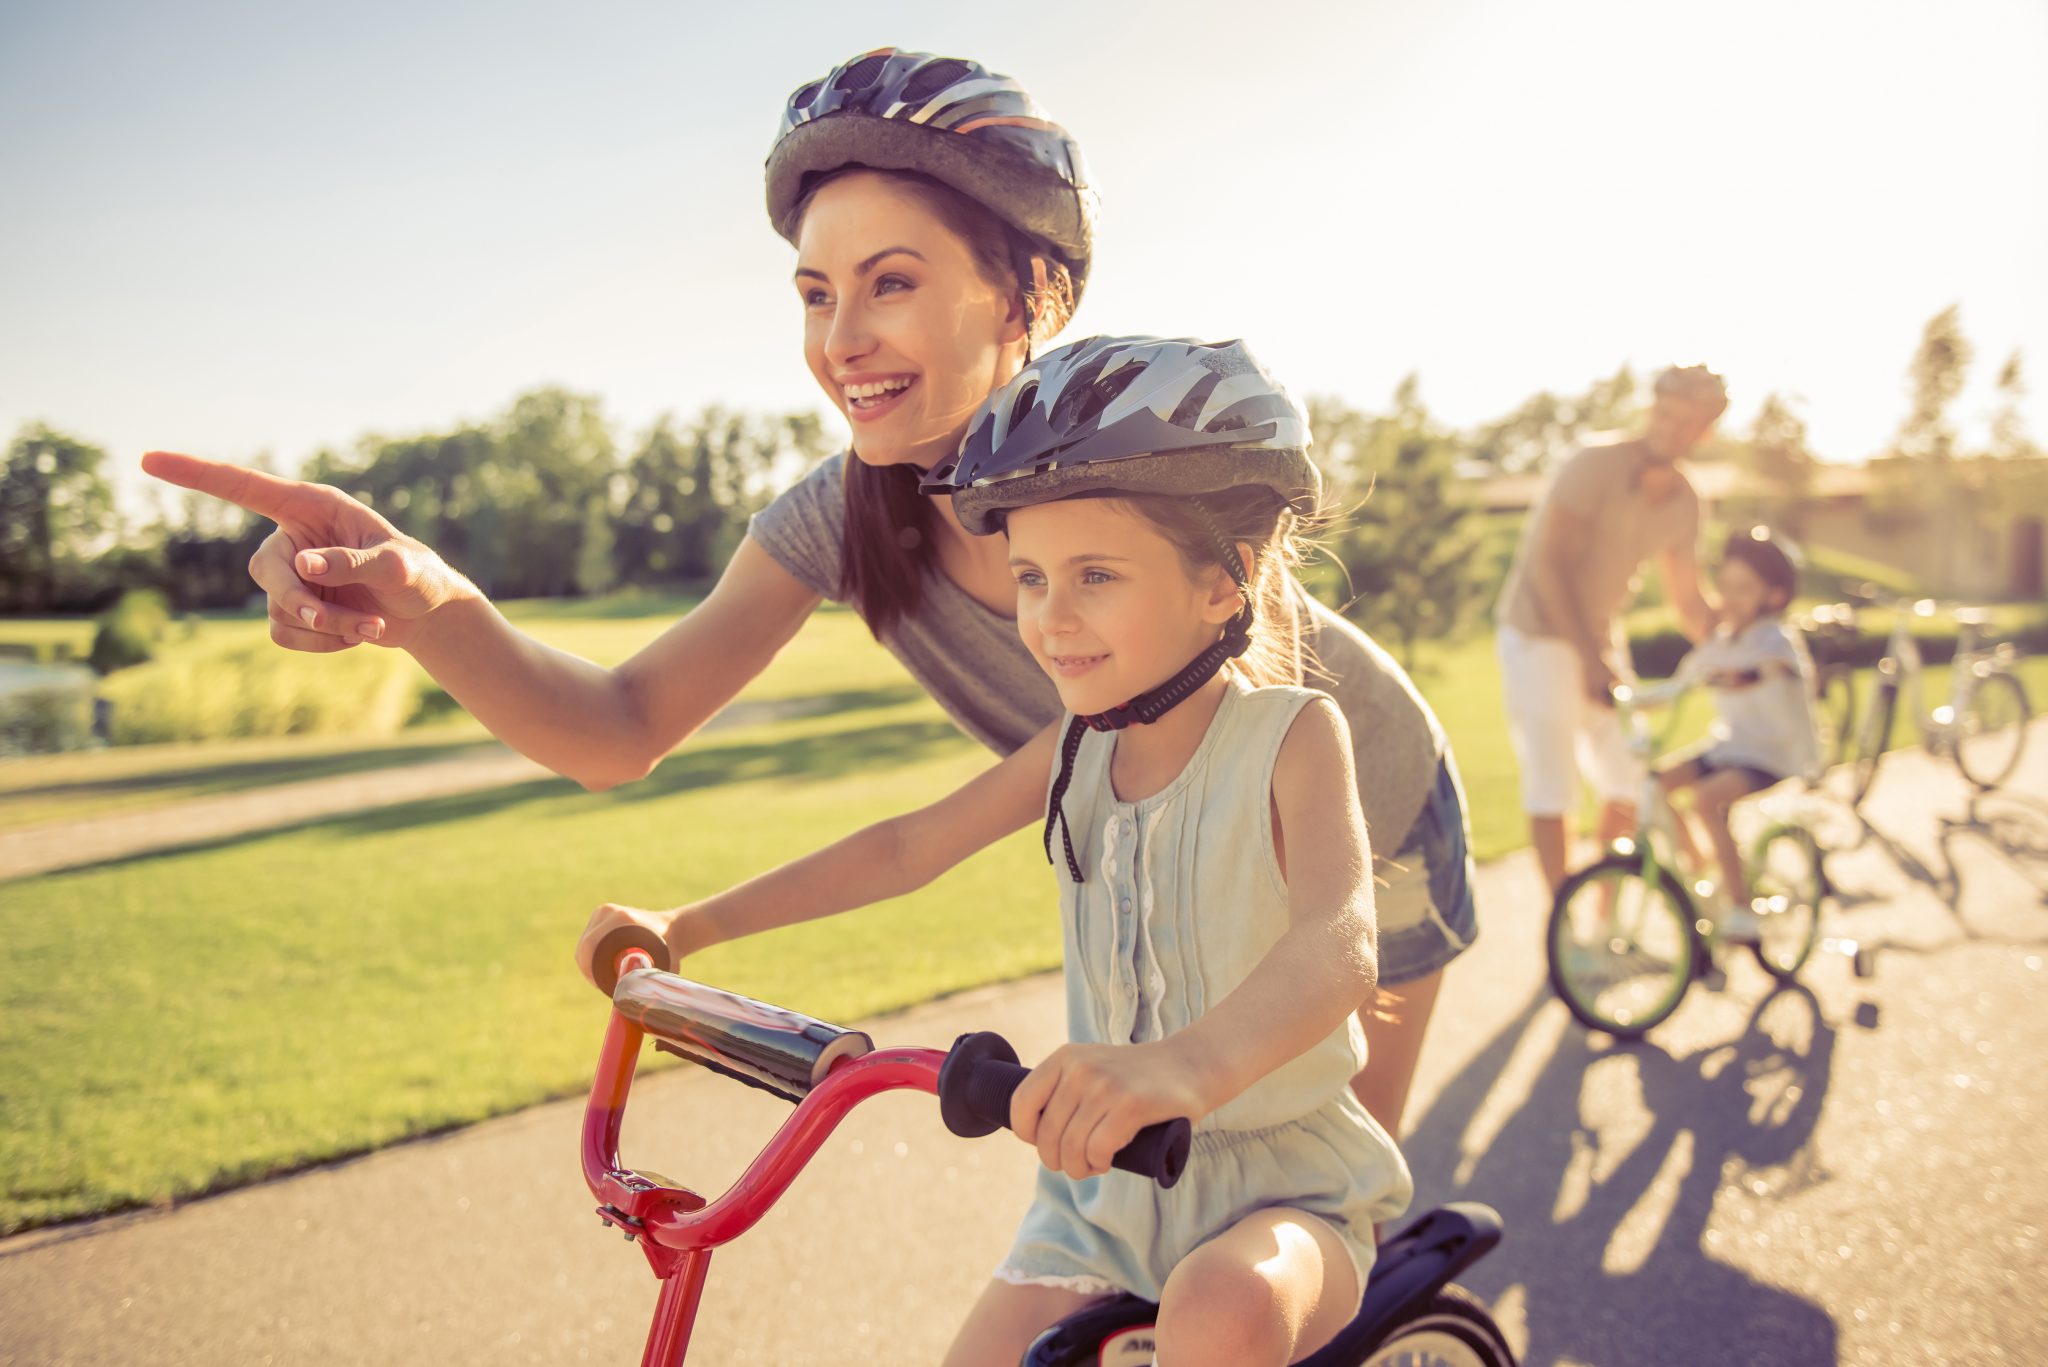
(1627, 935)
(1983, 727)
(1831, 638)
(1412, 1314)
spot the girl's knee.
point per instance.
(1277, 1284)
(1217, 1310)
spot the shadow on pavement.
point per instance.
(2014, 826)
(2011, 828)
(1603, 1279)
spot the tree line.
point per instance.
(542, 500)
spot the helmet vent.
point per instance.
(931, 79)
(861, 74)
(802, 99)
(1083, 404)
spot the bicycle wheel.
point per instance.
(1786, 876)
(1622, 949)
(1873, 733)
(1834, 712)
(1991, 729)
(1450, 1329)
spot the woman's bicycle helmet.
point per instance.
(951, 119)
(1134, 415)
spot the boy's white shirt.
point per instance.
(1768, 725)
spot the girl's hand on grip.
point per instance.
(1086, 1101)
(685, 930)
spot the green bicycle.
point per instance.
(1627, 934)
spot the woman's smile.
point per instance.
(869, 396)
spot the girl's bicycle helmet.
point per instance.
(951, 119)
(1142, 415)
(1132, 414)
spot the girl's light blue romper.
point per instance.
(1184, 897)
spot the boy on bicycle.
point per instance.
(1761, 678)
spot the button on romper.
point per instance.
(1183, 898)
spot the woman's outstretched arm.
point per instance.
(338, 574)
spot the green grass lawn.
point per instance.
(280, 999)
(178, 1023)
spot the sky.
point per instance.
(256, 229)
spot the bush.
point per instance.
(1657, 651)
(130, 631)
(259, 690)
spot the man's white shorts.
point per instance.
(1558, 732)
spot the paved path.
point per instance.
(1851, 1171)
(46, 848)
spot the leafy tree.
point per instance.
(1412, 549)
(55, 509)
(507, 502)
(2009, 436)
(1936, 376)
(689, 493)
(555, 454)
(1780, 461)
(1548, 427)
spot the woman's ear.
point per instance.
(1017, 321)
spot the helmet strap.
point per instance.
(1150, 706)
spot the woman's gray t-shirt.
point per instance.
(971, 661)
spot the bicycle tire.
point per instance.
(1453, 1328)
(1834, 705)
(1671, 906)
(1988, 773)
(1871, 738)
(1789, 935)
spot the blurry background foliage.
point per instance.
(546, 500)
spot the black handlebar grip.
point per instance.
(605, 962)
(981, 1073)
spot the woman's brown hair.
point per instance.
(888, 548)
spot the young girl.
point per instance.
(1200, 809)
(1762, 682)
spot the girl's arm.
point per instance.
(1084, 1102)
(1327, 962)
(888, 859)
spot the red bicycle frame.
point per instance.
(676, 1228)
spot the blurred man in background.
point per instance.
(1605, 512)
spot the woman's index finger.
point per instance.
(262, 494)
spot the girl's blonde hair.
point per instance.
(1281, 541)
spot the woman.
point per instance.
(943, 226)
